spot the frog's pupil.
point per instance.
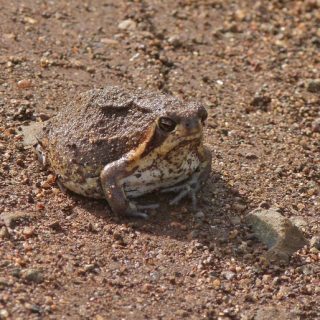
(166, 124)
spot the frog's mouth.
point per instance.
(186, 132)
(187, 135)
(186, 138)
(175, 140)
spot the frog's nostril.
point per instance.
(192, 125)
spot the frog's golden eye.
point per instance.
(166, 124)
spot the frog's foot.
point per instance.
(186, 189)
(137, 214)
(147, 206)
(135, 210)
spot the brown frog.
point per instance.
(118, 144)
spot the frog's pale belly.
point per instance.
(152, 175)
(160, 173)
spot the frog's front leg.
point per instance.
(111, 181)
(191, 186)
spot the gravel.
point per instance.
(225, 54)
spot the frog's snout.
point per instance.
(192, 126)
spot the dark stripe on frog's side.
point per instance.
(156, 140)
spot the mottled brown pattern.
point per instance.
(100, 126)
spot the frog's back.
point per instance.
(100, 126)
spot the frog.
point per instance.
(119, 144)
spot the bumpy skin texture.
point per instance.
(107, 143)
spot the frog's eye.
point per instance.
(166, 124)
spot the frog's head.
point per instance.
(182, 123)
(174, 126)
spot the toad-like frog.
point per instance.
(119, 144)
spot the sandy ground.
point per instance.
(255, 66)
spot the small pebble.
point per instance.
(261, 102)
(28, 232)
(235, 220)
(43, 116)
(30, 20)
(178, 225)
(315, 242)
(128, 24)
(32, 275)
(299, 222)
(45, 185)
(216, 283)
(175, 41)
(24, 84)
(316, 125)
(4, 282)
(110, 42)
(314, 250)
(181, 313)
(233, 234)
(239, 207)
(147, 287)
(4, 314)
(89, 267)
(193, 235)
(313, 86)
(228, 275)
(199, 215)
(55, 226)
(16, 272)
(33, 308)
(4, 233)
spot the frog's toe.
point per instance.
(177, 198)
(188, 189)
(137, 214)
(148, 206)
(134, 211)
(185, 193)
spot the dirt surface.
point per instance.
(254, 64)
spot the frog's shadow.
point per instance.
(219, 217)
